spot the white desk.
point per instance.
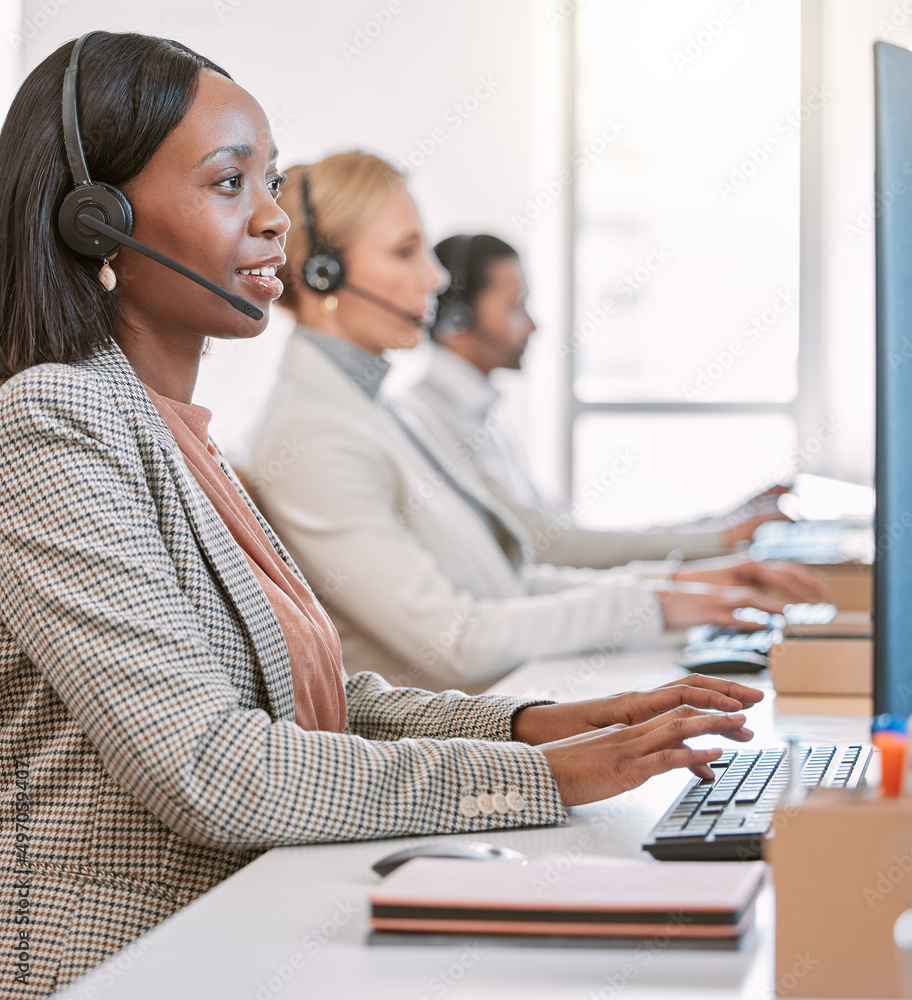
(294, 923)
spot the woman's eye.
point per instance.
(275, 186)
(231, 183)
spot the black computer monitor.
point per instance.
(893, 460)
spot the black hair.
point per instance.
(469, 266)
(133, 90)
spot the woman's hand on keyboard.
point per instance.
(539, 724)
(688, 603)
(604, 762)
(783, 579)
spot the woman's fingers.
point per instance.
(601, 763)
(798, 582)
(744, 693)
(684, 723)
(695, 690)
(714, 607)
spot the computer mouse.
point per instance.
(466, 850)
(723, 661)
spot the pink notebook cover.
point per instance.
(687, 899)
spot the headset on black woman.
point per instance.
(96, 219)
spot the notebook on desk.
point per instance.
(628, 900)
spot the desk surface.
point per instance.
(294, 923)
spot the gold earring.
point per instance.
(330, 303)
(107, 277)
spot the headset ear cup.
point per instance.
(107, 204)
(454, 316)
(324, 271)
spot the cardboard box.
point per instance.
(842, 868)
(816, 666)
(849, 585)
(852, 624)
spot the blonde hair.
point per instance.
(347, 190)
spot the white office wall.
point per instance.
(850, 28)
(12, 61)
(444, 89)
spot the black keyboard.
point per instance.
(727, 649)
(815, 541)
(730, 818)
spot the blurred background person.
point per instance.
(426, 575)
(482, 325)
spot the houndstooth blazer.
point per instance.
(146, 712)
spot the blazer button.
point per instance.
(515, 801)
(485, 804)
(500, 803)
(468, 805)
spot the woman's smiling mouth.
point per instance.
(262, 280)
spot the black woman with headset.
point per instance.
(173, 700)
(425, 574)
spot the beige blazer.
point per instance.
(458, 408)
(416, 583)
(146, 713)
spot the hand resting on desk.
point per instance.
(606, 746)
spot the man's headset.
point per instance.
(453, 312)
(323, 271)
(96, 219)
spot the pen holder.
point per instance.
(842, 868)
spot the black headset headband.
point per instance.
(323, 270)
(72, 138)
(459, 272)
(454, 312)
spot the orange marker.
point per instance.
(893, 747)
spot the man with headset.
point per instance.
(482, 324)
